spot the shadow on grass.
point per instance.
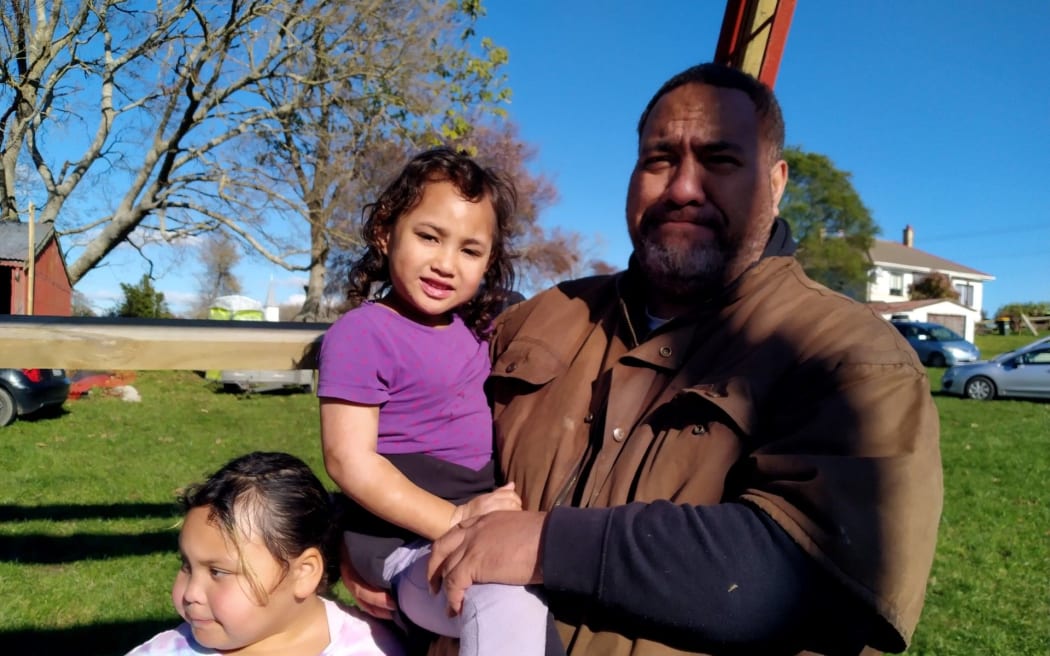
(61, 512)
(51, 550)
(45, 414)
(95, 640)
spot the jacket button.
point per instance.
(511, 367)
(618, 434)
(666, 351)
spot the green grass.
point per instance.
(87, 537)
(989, 592)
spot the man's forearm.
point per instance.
(726, 574)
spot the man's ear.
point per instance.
(306, 572)
(778, 177)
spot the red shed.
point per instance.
(52, 293)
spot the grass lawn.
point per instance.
(87, 526)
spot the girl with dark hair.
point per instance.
(256, 543)
(405, 425)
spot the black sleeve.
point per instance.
(724, 574)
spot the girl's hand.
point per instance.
(502, 498)
(377, 603)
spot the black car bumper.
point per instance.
(41, 395)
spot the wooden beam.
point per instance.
(146, 344)
(753, 36)
(1028, 324)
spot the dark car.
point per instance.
(936, 345)
(1024, 372)
(24, 391)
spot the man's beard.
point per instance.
(679, 271)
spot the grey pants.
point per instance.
(496, 619)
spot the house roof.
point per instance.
(14, 239)
(883, 307)
(894, 253)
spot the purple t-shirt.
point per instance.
(428, 382)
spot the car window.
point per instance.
(907, 331)
(1036, 357)
(942, 334)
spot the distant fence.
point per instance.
(156, 344)
(1035, 324)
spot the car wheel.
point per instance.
(935, 360)
(980, 388)
(7, 407)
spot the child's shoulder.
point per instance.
(356, 634)
(363, 319)
(175, 642)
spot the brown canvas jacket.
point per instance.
(820, 404)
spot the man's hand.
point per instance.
(374, 601)
(500, 547)
(502, 498)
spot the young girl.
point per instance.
(405, 424)
(256, 543)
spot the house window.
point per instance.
(896, 284)
(965, 290)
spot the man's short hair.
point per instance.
(767, 109)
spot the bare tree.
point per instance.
(253, 117)
(218, 254)
(371, 79)
(146, 97)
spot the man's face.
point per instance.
(704, 191)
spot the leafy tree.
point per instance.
(934, 285)
(1031, 309)
(834, 229)
(142, 300)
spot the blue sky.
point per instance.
(940, 109)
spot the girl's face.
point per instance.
(438, 253)
(212, 590)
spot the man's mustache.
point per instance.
(661, 214)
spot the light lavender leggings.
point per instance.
(496, 619)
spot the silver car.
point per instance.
(1024, 373)
(936, 345)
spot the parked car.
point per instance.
(24, 391)
(1021, 373)
(936, 345)
(267, 381)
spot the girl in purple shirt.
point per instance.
(405, 426)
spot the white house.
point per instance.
(898, 265)
(948, 313)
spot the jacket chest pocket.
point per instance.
(698, 437)
(524, 367)
(540, 419)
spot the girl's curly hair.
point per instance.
(475, 183)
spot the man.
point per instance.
(717, 455)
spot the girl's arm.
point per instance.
(349, 434)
